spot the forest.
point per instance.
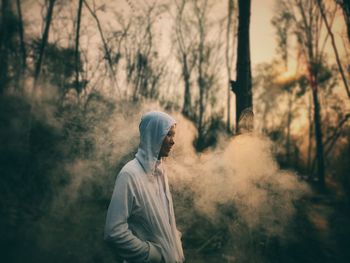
(260, 171)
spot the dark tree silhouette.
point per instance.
(21, 35)
(345, 5)
(43, 43)
(229, 60)
(336, 53)
(306, 18)
(107, 51)
(4, 35)
(185, 46)
(76, 53)
(242, 87)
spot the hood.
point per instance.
(154, 126)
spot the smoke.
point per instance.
(85, 146)
(241, 172)
(109, 140)
(69, 155)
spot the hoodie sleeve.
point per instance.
(117, 231)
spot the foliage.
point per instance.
(59, 74)
(43, 175)
(10, 55)
(136, 49)
(199, 51)
(282, 23)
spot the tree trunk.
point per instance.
(3, 44)
(200, 79)
(309, 150)
(310, 21)
(318, 135)
(43, 43)
(21, 36)
(243, 85)
(228, 63)
(76, 52)
(186, 109)
(289, 121)
(201, 85)
(29, 145)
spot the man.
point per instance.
(140, 220)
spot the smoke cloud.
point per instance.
(242, 172)
(88, 145)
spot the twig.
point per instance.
(334, 47)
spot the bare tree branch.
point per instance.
(43, 43)
(320, 5)
(105, 46)
(331, 140)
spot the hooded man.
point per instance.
(140, 221)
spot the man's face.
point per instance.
(167, 143)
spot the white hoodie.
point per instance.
(140, 219)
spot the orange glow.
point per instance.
(287, 77)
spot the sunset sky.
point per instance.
(263, 39)
(262, 36)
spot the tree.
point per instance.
(229, 60)
(4, 35)
(58, 74)
(307, 27)
(282, 23)
(185, 37)
(76, 52)
(207, 51)
(279, 97)
(11, 47)
(107, 53)
(307, 41)
(288, 84)
(43, 42)
(200, 12)
(135, 45)
(329, 30)
(199, 48)
(242, 87)
(345, 5)
(21, 35)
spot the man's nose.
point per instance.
(172, 142)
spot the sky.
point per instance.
(263, 42)
(262, 34)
